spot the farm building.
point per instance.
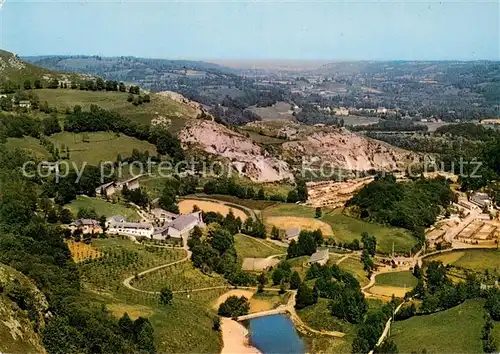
(481, 199)
(402, 261)
(163, 216)
(119, 226)
(292, 234)
(25, 104)
(258, 264)
(110, 188)
(86, 226)
(179, 228)
(320, 257)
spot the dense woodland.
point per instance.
(35, 248)
(413, 205)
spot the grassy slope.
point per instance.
(17, 332)
(456, 330)
(29, 145)
(399, 279)
(102, 207)
(117, 101)
(346, 228)
(28, 71)
(249, 247)
(103, 146)
(355, 267)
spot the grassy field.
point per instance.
(122, 258)
(102, 207)
(102, 146)
(318, 317)
(472, 259)
(346, 228)
(456, 330)
(355, 267)
(399, 279)
(29, 145)
(249, 247)
(117, 101)
(183, 276)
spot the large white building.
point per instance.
(119, 226)
(179, 228)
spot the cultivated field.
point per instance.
(81, 251)
(186, 207)
(101, 146)
(122, 258)
(457, 329)
(102, 207)
(285, 222)
(182, 276)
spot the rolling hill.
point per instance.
(16, 70)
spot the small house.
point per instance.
(320, 257)
(86, 226)
(292, 234)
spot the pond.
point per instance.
(275, 334)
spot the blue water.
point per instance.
(275, 334)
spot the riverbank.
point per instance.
(235, 338)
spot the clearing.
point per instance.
(250, 247)
(102, 207)
(457, 329)
(100, 146)
(186, 207)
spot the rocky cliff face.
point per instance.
(22, 313)
(244, 154)
(346, 150)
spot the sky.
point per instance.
(232, 30)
